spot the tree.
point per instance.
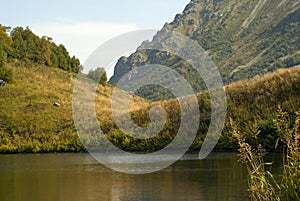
(3, 57)
(6, 74)
(75, 65)
(98, 75)
(4, 35)
(24, 46)
(18, 43)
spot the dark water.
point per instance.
(78, 177)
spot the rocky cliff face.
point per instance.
(244, 38)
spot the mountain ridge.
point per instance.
(244, 38)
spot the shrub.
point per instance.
(6, 74)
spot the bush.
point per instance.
(6, 74)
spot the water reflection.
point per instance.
(77, 177)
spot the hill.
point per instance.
(29, 121)
(244, 38)
(36, 104)
(253, 104)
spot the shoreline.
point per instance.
(218, 150)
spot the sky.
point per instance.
(82, 26)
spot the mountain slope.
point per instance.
(244, 38)
(252, 104)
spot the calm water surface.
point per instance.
(78, 177)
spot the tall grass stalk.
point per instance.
(261, 182)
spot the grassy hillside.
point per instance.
(252, 104)
(29, 122)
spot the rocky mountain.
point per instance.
(244, 38)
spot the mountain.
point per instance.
(244, 38)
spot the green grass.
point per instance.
(30, 123)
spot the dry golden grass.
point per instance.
(27, 110)
(29, 117)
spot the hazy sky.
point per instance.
(84, 25)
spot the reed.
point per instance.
(261, 182)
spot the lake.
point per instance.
(78, 177)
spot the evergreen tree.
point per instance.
(98, 75)
(24, 46)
